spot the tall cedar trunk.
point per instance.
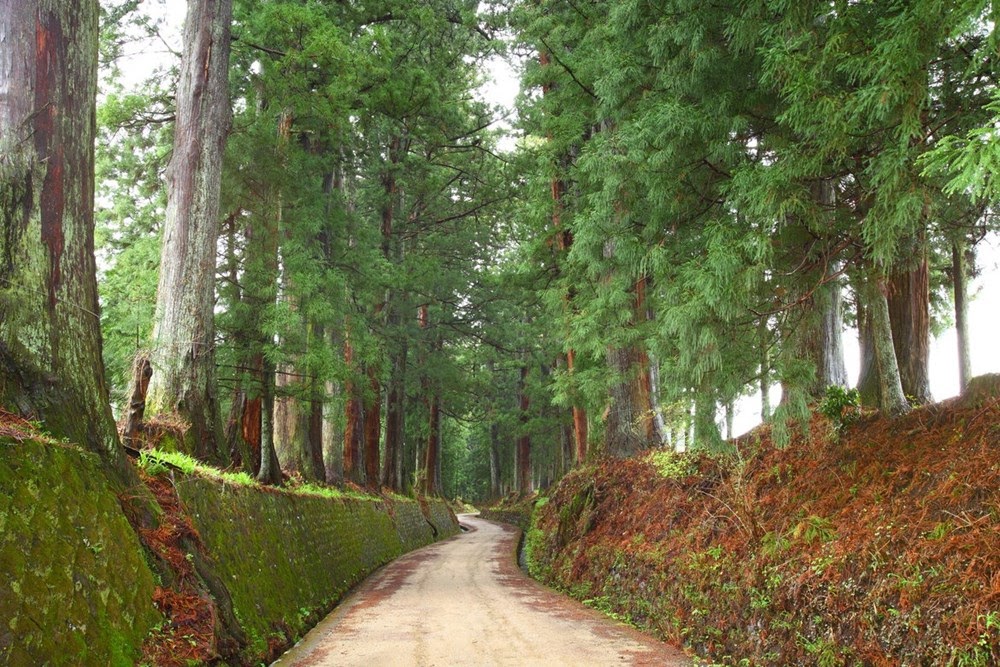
(270, 470)
(706, 430)
(564, 240)
(891, 400)
(50, 341)
(495, 490)
(298, 423)
(287, 435)
(372, 429)
(579, 417)
(257, 291)
(315, 435)
(868, 385)
(432, 468)
(395, 416)
(814, 339)
(959, 276)
(395, 396)
(909, 316)
(523, 440)
(353, 464)
(763, 336)
(629, 427)
(430, 465)
(184, 328)
(312, 427)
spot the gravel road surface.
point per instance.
(464, 602)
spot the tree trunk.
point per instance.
(139, 386)
(959, 276)
(629, 427)
(892, 400)
(287, 435)
(432, 478)
(353, 427)
(579, 417)
(312, 459)
(270, 470)
(523, 439)
(765, 369)
(706, 430)
(184, 328)
(495, 490)
(909, 315)
(395, 417)
(50, 340)
(372, 429)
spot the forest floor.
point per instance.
(465, 602)
(874, 543)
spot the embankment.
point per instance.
(80, 586)
(877, 546)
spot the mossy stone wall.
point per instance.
(76, 588)
(287, 558)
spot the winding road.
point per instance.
(464, 601)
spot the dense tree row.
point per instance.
(724, 185)
(315, 260)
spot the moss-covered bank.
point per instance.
(78, 587)
(880, 546)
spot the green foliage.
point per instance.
(841, 406)
(672, 465)
(813, 529)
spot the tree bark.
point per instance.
(353, 426)
(432, 464)
(50, 341)
(629, 427)
(270, 470)
(891, 401)
(395, 420)
(183, 354)
(523, 439)
(909, 316)
(959, 277)
(372, 429)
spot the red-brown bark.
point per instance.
(50, 344)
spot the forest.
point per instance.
(305, 249)
(320, 255)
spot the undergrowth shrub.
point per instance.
(841, 406)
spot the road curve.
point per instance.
(464, 602)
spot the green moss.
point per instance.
(79, 591)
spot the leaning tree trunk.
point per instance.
(50, 339)
(184, 330)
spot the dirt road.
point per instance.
(465, 602)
